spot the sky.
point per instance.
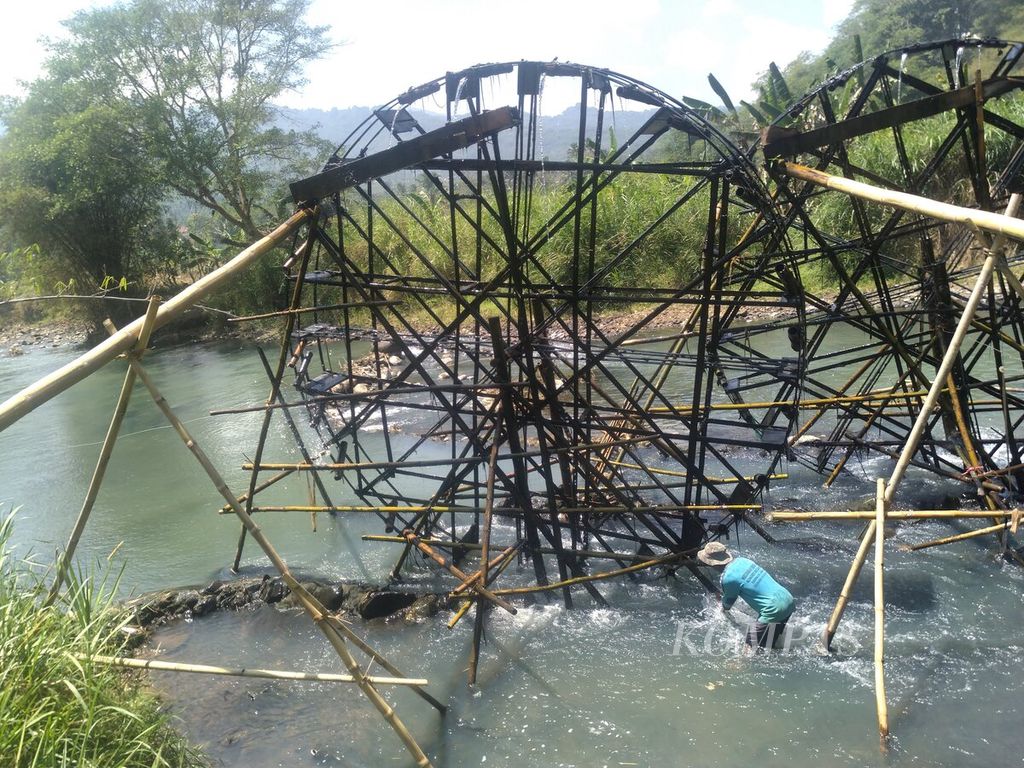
(386, 47)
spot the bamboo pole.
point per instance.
(937, 385)
(677, 473)
(226, 509)
(413, 539)
(485, 546)
(580, 553)
(851, 578)
(34, 395)
(880, 703)
(462, 611)
(417, 509)
(269, 674)
(306, 310)
(674, 557)
(908, 514)
(810, 404)
(120, 409)
(996, 223)
(999, 528)
(328, 626)
(284, 348)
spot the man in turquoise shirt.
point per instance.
(745, 578)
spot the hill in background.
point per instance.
(558, 132)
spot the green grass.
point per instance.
(56, 710)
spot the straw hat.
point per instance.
(715, 554)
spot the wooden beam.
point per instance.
(406, 154)
(782, 141)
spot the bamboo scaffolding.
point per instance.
(49, 386)
(312, 606)
(269, 674)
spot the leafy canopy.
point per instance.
(195, 81)
(77, 183)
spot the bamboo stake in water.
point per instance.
(485, 547)
(120, 409)
(880, 702)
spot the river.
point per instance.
(653, 679)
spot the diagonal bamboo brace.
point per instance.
(329, 626)
(106, 451)
(34, 395)
(996, 223)
(426, 549)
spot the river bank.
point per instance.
(20, 336)
(58, 707)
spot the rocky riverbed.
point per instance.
(20, 338)
(358, 600)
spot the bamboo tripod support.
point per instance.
(329, 626)
(133, 340)
(120, 409)
(1002, 226)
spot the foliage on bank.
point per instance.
(129, 166)
(57, 709)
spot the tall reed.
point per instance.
(57, 710)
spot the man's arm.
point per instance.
(730, 591)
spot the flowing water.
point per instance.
(654, 679)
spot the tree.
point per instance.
(196, 81)
(75, 182)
